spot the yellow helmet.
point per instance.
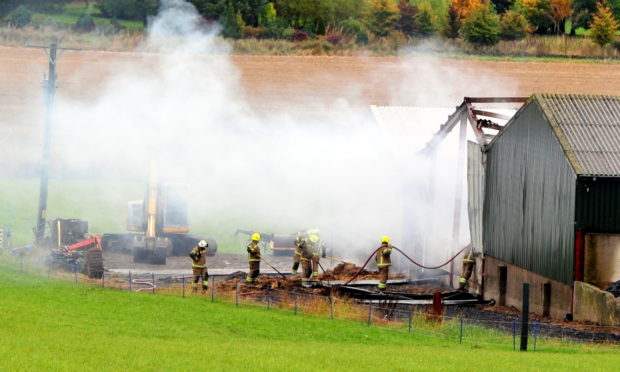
(314, 238)
(385, 239)
(256, 237)
(313, 231)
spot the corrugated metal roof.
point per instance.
(588, 128)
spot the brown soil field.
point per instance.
(298, 83)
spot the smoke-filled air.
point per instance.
(331, 167)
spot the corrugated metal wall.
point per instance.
(598, 205)
(475, 193)
(530, 199)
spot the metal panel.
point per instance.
(475, 192)
(588, 128)
(598, 205)
(529, 204)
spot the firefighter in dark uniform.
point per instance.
(299, 242)
(253, 258)
(199, 266)
(384, 262)
(305, 258)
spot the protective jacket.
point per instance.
(199, 258)
(253, 252)
(383, 255)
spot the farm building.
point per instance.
(552, 207)
(543, 198)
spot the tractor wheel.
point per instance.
(94, 263)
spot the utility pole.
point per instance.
(49, 85)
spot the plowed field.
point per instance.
(296, 83)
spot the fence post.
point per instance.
(212, 288)
(535, 333)
(21, 263)
(369, 312)
(103, 279)
(129, 280)
(461, 332)
(75, 270)
(514, 334)
(267, 298)
(153, 281)
(410, 318)
(49, 271)
(295, 303)
(183, 281)
(237, 294)
(331, 306)
(525, 316)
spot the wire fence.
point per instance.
(451, 326)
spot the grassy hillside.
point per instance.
(53, 325)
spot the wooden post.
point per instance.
(502, 273)
(547, 299)
(525, 316)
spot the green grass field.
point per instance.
(59, 326)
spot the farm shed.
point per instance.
(552, 206)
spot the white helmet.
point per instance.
(202, 243)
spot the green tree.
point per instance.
(232, 23)
(407, 18)
(426, 21)
(584, 10)
(381, 17)
(604, 25)
(502, 6)
(316, 15)
(481, 27)
(20, 17)
(452, 23)
(128, 9)
(267, 16)
(514, 26)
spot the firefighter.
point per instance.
(468, 268)
(299, 242)
(253, 258)
(315, 246)
(199, 266)
(383, 261)
(305, 258)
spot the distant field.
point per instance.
(58, 326)
(73, 12)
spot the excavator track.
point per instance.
(93, 263)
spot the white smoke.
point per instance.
(278, 172)
(181, 103)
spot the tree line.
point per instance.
(481, 22)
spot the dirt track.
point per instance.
(297, 83)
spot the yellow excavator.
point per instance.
(162, 221)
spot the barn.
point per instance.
(551, 211)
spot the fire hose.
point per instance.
(407, 257)
(270, 265)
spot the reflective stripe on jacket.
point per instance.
(199, 259)
(253, 252)
(383, 256)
